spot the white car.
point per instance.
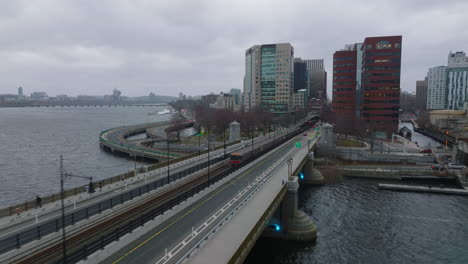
(455, 166)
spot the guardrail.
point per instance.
(22, 237)
(223, 214)
(31, 204)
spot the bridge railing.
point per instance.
(31, 204)
(25, 236)
(232, 207)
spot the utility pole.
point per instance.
(198, 135)
(168, 163)
(62, 198)
(64, 242)
(208, 157)
(224, 139)
(253, 149)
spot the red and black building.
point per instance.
(366, 82)
(344, 82)
(380, 85)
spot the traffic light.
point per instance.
(446, 132)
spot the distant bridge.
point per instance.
(85, 105)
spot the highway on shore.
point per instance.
(151, 247)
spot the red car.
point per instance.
(428, 151)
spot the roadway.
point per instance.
(11, 226)
(151, 247)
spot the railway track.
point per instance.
(88, 240)
(84, 241)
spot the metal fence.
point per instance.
(31, 204)
(23, 237)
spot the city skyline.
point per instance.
(75, 48)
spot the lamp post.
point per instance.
(168, 163)
(253, 149)
(224, 139)
(64, 243)
(208, 133)
(62, 198)
(198, 135)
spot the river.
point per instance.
(358, 223)
(32, 139)
(422, 140)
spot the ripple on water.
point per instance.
(35, 137)
(358, 223)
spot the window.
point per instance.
(384, 44)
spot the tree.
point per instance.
(176, 124)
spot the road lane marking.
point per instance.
(189, 212)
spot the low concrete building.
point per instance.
(300, 99)
(224, 101)
(448, 119)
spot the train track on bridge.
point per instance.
(83, 242)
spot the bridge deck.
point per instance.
(227, 241)
(151, 247)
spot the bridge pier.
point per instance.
(293, 223)
(312, 176)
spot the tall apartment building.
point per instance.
(421, 94)
(436, 88)
(457, 80)
(301, 75)
(318, 79)
(366, 82)
(448, 85)
(269, 77)
(345, 67)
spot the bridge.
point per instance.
(82, 104)
(168, 219)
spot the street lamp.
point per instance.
(224, 139)
(62, 197)
(198, 135)
(253, 149)
(168, 163)
(208, 133)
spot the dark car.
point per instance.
(428, 151)
(438, 167)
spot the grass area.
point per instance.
(347, 142)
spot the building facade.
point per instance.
(269, 77)
(301, 75)
(456, 80)
(366, 83)
(380, 83)
(300, 99)
(436, 88)
(224, 101)
(344, 81)
(318, 79)
(421, 94)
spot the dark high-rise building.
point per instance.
(369, 73)
(301, 75)
(381, 67)
(318, 79)
(344, 82)
(421, 94)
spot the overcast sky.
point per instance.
(197, 47)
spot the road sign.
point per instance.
(298, 144)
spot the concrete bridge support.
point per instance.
(312, 175)
(294, 224)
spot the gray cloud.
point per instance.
(194, 47)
